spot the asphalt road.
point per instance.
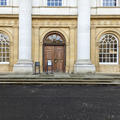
(59, 102)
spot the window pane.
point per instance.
(109, 3)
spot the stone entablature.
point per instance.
(104, 21)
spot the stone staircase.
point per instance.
(60, 78)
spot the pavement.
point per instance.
(59, 102)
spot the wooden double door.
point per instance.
(54, 55)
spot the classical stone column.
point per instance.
(83, 63)
(24, 64)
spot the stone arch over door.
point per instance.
(108, 61)
(54, 52)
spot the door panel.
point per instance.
(48, 55)
(57, 55)
(59, 59)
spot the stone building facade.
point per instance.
(75, 36)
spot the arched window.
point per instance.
(54, 3)
(4, 48)
(108, 49)
(3, 2)
(109, 3)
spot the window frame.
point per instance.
(6, 1)
(117, 4)
(5, 52)
(54, 3)
(109, 63)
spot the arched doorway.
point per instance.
(54, 52)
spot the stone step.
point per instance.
(113, 79)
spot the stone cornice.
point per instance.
(40, 16)
(9, 16)
(55, 16)
(105, 16)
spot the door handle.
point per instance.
(55, 60)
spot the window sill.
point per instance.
(4, 63)
(108, 63)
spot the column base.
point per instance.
(23, 67)
(84, 66)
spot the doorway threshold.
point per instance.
(63, 75)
